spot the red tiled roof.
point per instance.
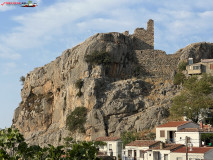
(196, 130)
(142, 143)
(206, 60)
(173, 124)
(169, 146)
(194, 150)
(107, 138)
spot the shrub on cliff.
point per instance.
(22, 79)
(76, 120)
(79, 84)
(98, 58)
(182, 66)
(179, 78)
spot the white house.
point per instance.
(162, 151)
(166, 132)
(113, 146)
(194, 153)
(194, 135)
(137, 150)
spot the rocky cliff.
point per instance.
(132, 92)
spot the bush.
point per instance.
(76, 120)
(179, 78)
(182, 66)
(128, 137)
(98, 58)
(22, 79)
(79, 83)
(79, 94)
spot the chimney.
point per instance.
(190, 60)
(161, 145)
(201, 124)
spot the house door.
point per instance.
(156, 155)
(171, 136)
(135, 154)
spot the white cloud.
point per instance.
(68, 19)
(43, 25)
(5, 7)
(7, 53)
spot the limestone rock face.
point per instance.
(133, 92)
(197, 51)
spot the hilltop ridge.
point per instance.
(132, 92)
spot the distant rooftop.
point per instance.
(169, 147)
(142, 143)
(194, 150)
(108, 138)
(206, 60)
(174, 124)
(196, 130)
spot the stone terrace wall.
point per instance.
(156, 63)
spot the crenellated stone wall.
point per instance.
(144, 39)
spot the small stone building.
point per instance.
(205, 66)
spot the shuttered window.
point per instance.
(162, 133)
(211, 66)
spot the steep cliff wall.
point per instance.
(118, 96)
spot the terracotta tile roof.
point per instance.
(194, 150)
(169, 147)
(173, 124)
(142, 143)
(196, 130)
(206, 60)
(107, 138)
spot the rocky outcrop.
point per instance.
(197, 51)
(133, 92)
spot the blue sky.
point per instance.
(32, 37)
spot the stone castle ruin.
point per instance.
(151, 63)
(143, 39)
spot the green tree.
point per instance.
(179, 78)
(98, 58)
(194, 99)
(11, 141)
(182, 66)
(83, 151)
(55, 153)
(128, 137)
(76, 120)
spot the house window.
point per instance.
(196, 67)
(179, 158)
(110, 146)
(162, 133)
(141, 154)
(129, 153)
(211, 66)
(166, 157)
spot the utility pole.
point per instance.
(187, 141)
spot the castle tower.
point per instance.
(150, 32)
(144, 39)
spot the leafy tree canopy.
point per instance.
(76, 120)
(128, 137)
(98, 58)
(194, 99)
